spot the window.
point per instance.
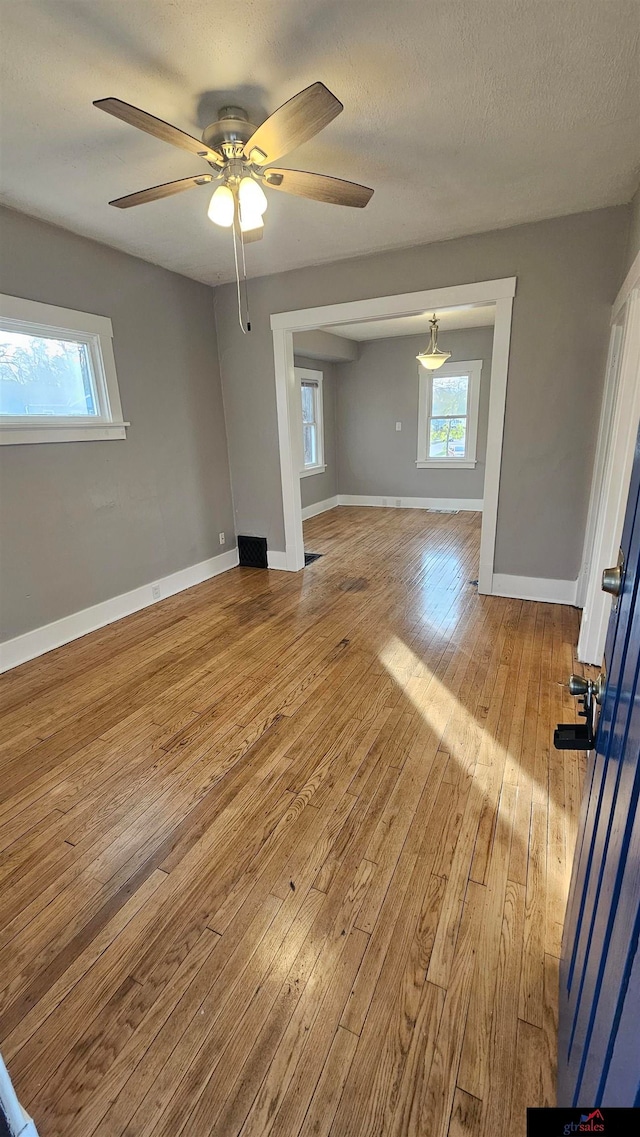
(312, 421)
(57, 375)
(448, 404)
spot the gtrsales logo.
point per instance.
(612, 1122)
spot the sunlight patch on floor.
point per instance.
(458, 731)
(498, 779)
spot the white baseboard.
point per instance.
(40, 640)
(535, 588)
(392, 502)
(319, 507)
(276, 560)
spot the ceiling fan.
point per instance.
(241, 156)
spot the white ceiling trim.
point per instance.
(449, 320)
(404, 304)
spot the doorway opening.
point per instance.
(359, 316)
(379, 429)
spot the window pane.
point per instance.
(447, 438)
(450, 394)
(308, 403)
(310, 444)
(42, 376)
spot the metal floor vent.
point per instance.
(443, 510)
(252, 552)
(309, 558)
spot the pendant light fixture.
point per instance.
(433, 358)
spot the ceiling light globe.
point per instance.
(252, 197)
(432, 361)
(221, 207)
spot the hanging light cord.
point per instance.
(248, 328)
(246, 286)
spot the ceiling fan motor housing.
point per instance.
(230, 132)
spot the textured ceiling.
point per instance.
(463, 115)
(449, 319)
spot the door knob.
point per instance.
(592, 689)
(572, 735)
(579, 686)
(612, 577)
(581, 736)
(612, 580)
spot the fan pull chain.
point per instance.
(244, 277)
(246, 285)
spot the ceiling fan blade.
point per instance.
(156, 192)
(320, 187)
(159, 129)
(293, 123)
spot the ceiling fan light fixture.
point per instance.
(238, 152)
(222, 207)
(433, 358)
(253, 199)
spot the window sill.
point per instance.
(446, 464)
(312, 470)
(13, 434)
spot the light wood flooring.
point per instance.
(287, 854)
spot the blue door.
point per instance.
(599, 1023)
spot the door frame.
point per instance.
(612, 375)
(619, 420)
(284, 324)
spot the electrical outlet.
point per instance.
(222, 538)
(398, 503)
(155, 591)
(398, 426)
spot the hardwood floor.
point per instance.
(288, 854)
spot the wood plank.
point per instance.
(504, 1021)
(531, 1002)
(321, 1112)
(429, 1101)
(466, 1115)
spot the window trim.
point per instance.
(306, 374)
(472, 368)
(32, 317)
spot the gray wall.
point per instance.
(568, 271)
(318, 487)
(317, 344)
(85, 521)
(380, 389)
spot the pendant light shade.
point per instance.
(253, 202)
(252, 196)
(433, 358)
(222, 207)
